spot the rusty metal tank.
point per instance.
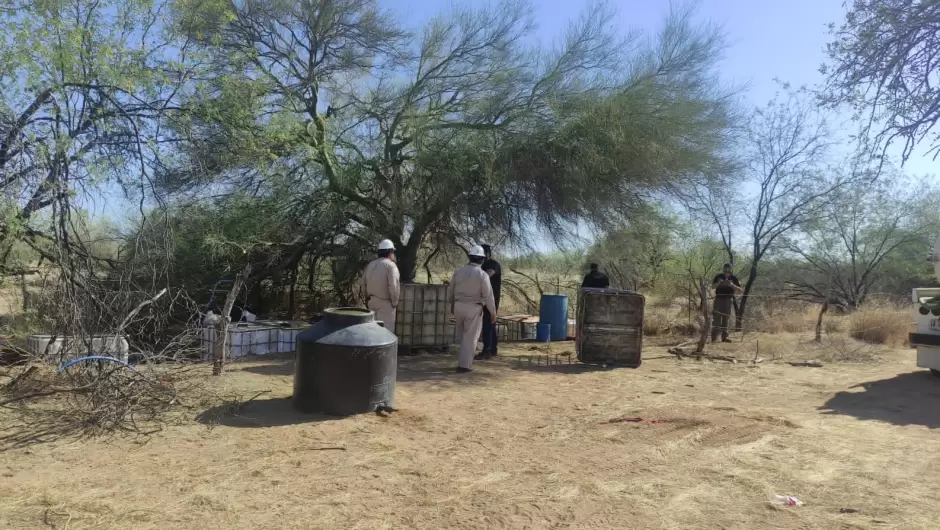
(610, 327)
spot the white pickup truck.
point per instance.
(926, 339)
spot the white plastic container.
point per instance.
(287, 339)
(65, 348)
(287, 332)
(243, 340)
(254, 341)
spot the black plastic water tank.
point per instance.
(345, 364)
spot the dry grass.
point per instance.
(661, 320)
(795, 347)
(785, 322)
(881, 325)
(655, 323)
(516, 447)
(513, 446)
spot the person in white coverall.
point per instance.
(469, 293)
(380, 285)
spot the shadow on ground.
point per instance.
(558, 367)
(428, 367)
(440, 368)
(567, 362)
(906, 399)
(277, 367)
(260, 413)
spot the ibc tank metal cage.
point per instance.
(246, 339)
(516, 328)
(423, 317)
(521, 328)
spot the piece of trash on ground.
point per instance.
(787, 500)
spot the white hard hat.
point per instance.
(477, 251)
(386, 244)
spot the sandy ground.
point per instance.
(519, 446)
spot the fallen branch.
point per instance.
(52, 524)
(22, 376)
(682, 354)
(238, 405)
(810, 364)
(47, 393)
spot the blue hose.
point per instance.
(93, 358)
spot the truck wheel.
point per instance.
(935, 372)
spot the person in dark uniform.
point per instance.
(726, 285)
(495, 272)
(596, 279)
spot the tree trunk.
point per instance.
(292, 293)
(739, 311)
(819, 321)
(706, 317)
(24, 292)
(407, 259)
(312, 269)
(220, 349)
(427, 262)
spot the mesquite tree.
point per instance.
(785, 182)
(883, 64)
(847, 250)
(87, 88)
(454, 130)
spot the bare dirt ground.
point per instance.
(519, 446)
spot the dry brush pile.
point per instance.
(88, 381)
(112, 347)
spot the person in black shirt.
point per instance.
(492, 268)
(596, 278)
(726, 285)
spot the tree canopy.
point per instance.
(460, 130)
(292, 135)
(883, 64)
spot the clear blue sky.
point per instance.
(769, 39)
